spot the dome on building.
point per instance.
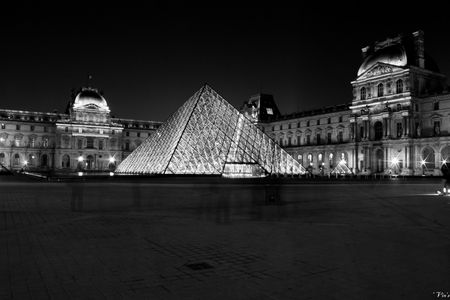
(393, 55)
(90, 98)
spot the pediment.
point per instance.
(379, 69)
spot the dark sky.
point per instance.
(149, 59)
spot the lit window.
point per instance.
(399, 129)
(45, 142)
(380, 90)
(3, 126)
(363, 93)
(269, 111)
(399, 86)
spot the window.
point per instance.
(340, 119)
(127, 133)
(399, 86)
(329, 120)
(127, 145)
(307, 123)
(436, 105)
(138, 134)
(80, 144)
(66, 129)
(310, 158)
(318, 139)
(45, 129)
(298, 125)
(113, 132)
(289, 141)
(16, 160)
(32, 142)
(17, 127)
(281, 142)
(31, 128)
(44, 160)
(378, 130)
(100, 145)
(308, 139)
(2, 158)
(399, 129)
(318, 122)
(437, 128)
(3, 126)
(380, 90)
(298, 140)
(363, 93)
(90, 143)
(329, 137)
(416, 107)
(361, 132)
(340, 137)
(269, 111)
(17, 142)
(45, 142)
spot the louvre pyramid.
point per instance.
(207, 135)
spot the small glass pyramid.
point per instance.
(208, 136)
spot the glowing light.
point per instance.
(423, 162)
(394, 161)
(25, 162)
(444, 161)
(111, 173)
(112, 159)
(342, 162)
(80, 173)
(80, 158)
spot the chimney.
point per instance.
(419, 48)
(365, 52)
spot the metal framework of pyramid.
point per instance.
(208, 136)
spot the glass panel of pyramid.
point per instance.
(208, 136)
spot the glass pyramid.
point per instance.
(207, 135)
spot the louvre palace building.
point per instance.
(397, 122)
(84, 138)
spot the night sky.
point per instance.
(149, 59)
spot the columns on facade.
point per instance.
(386, 157)
(389, 123)
(385, 127)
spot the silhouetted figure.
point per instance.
(76, 202)
(445, 169)
(136, 196)
(223, 208)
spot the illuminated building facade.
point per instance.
(208, 136)
(85, 138)
(396, 123)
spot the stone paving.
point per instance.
(208, 240)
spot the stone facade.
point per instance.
(397, 122)
(85, 138)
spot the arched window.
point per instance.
(363, 93)
(310, 158)
(31, 159)
(16, 160)
(428, 158)
(380, 90)
(2, 158)
(399, 86)
(66, 161)
(44, 160)
(378, 130)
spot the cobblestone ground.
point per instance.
(200, 240)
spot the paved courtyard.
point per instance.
(216, 239)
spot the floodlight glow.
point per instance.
(25, 162)
(394, 161)
(444, 161)
(80, 158)
(342, 162)
(112, 159)
(423, 162)
(111, 173)
(80, 173)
